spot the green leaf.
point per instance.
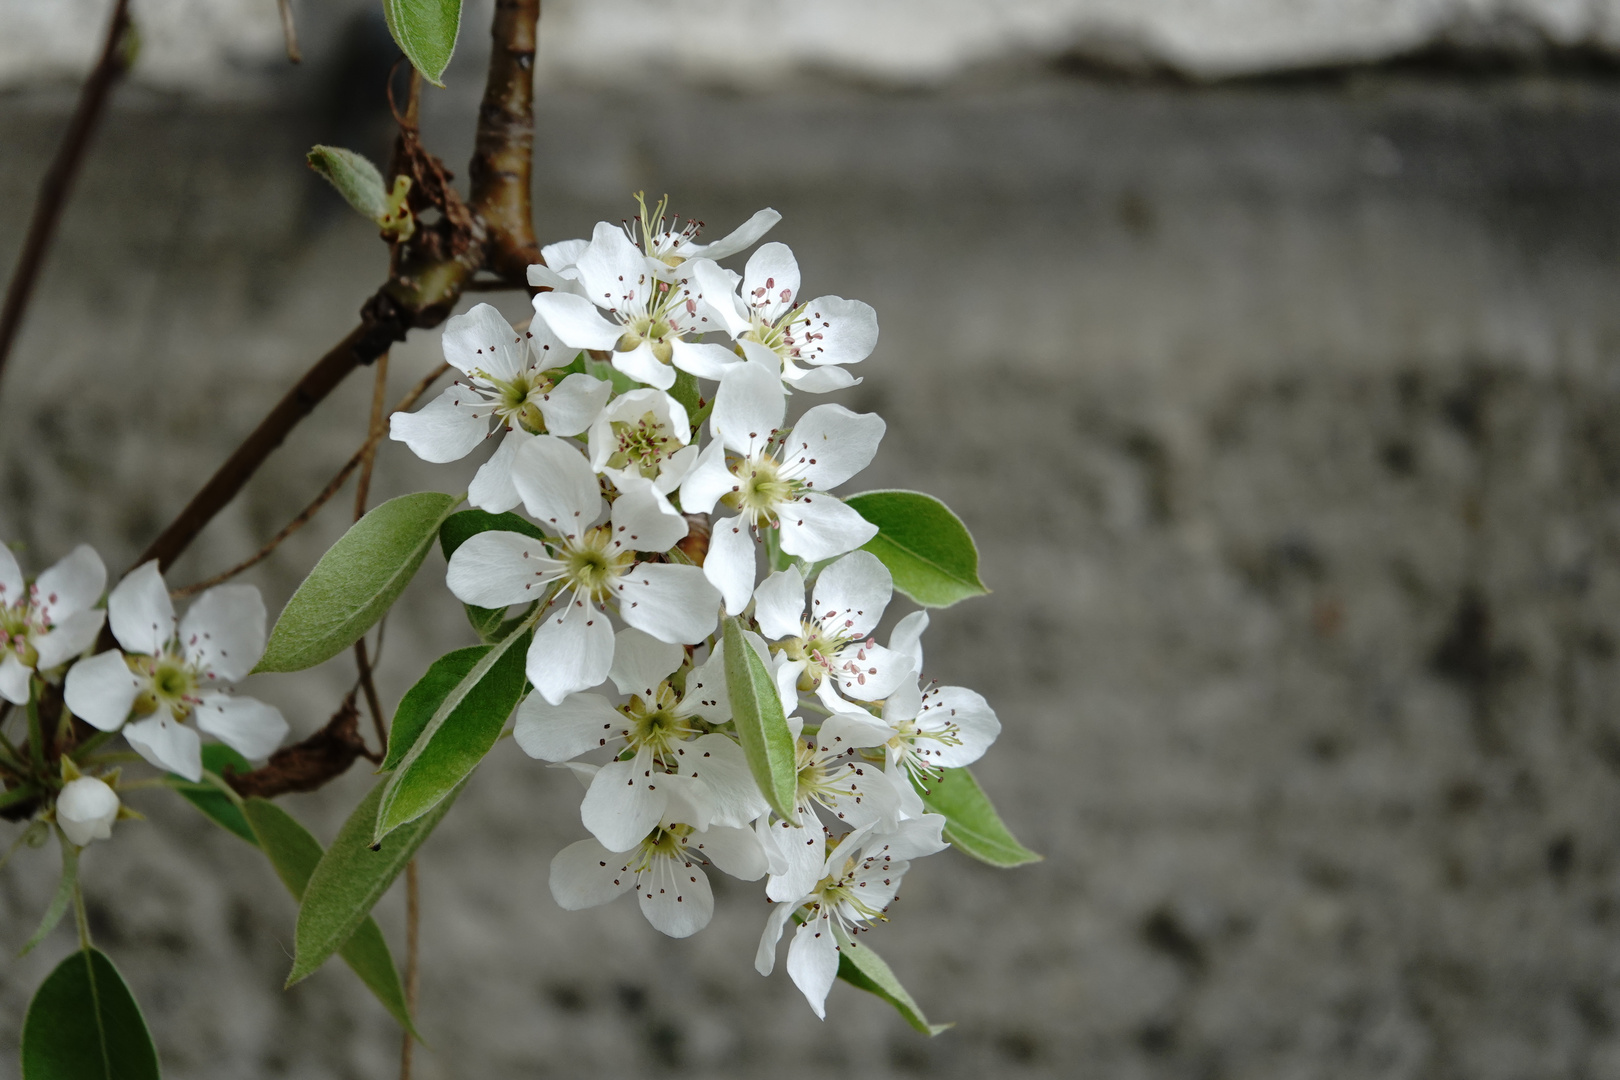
(687, 391)
(355, 178)
(761, 727)
(214, 803)
(351, 878)
(457, 530)
(924, 545)
(64, 894)
(294, 852)
(971, 822)
(83, 1024)
(859, 966)
(426, 32)
(356, 581)
(459, 728)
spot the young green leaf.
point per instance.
(214, 803)
(356, 581)
(457, 530)
(426, 32)
(83, 1024)
(64, 895)
(924, 545)
(462, 727)
(351, 877)
(687, 391)
(859, 966)
(422, 700)
(355, 178)
(971, 822)
(761, 727)
(294, 852)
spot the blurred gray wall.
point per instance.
(1285, 411)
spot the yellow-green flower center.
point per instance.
(760, 489)
(592, 564)
(517, 400)
(643, 444)
(167, 682)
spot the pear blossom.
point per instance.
(776, 482)
(663, 239)
(854, 888)
(169, 673)
(660, 739)
(511, 382)
(645, 317)
(48, 623)
(86, 809)
(665, 870)
(807, 341)
(584, 569)
(832, 777)
(643, 438)
(830, 644)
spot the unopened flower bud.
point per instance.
(86, 809)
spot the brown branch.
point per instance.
(307, 765)
(503, 155)
(331, 489)
(289, 31)
(58, 181)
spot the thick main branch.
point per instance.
(503, 156)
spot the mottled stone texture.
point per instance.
(1289, 422)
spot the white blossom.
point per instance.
(168, 674)
(665, 870)
(808, 341)
(853, 889)
(86, 809)
(511, 384)
(585, 568)
(661, 237)
(630, 307)
(48, 623)
(776, 482)
(830, 643)
(660, 740)
(643, 439)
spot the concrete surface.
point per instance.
(1286, 418)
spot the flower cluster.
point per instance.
(643, 533)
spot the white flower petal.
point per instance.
(625, 802)
(851, 594)
(100, 690)
(492, 488)
(765, 956)
(641, 662)
(586, 874)
(855, 729)
(812, 962)
(224, 632)
(719, 288)
(837, 331)
(817, 527)
(571, 405)
(748, 407)
(14, 676)
(12, 585)
(912, 839)
(675, 469)
(771, 280)
(581, 723)
(743, 236)
(576, 322)
(821, 380)
(830, 444)
(708, 480)
(730, 563)
(779, 604)
(706, 694)
(735, 800)
(167, 745)
(614, 273)
(86, 810)
(545, 277)
(643, 520)
(786, 675)
(675, 896)
(641, 365)
(803, 855)
(496, 568)
(483, 341)
(670, 602)
(906, 637)
(69, 638)
(904, 703)
(74, 584)
(248, 726)
(564, 253)
(869, 672)
(142, 616)
(706, 360)
(448, 428)
(972, 721)
(571, 651)
(558, 487)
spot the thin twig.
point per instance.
(289, 31)
(321, 500)
(81, 918)
(362, 489)
(413, 916)
(58, 181)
